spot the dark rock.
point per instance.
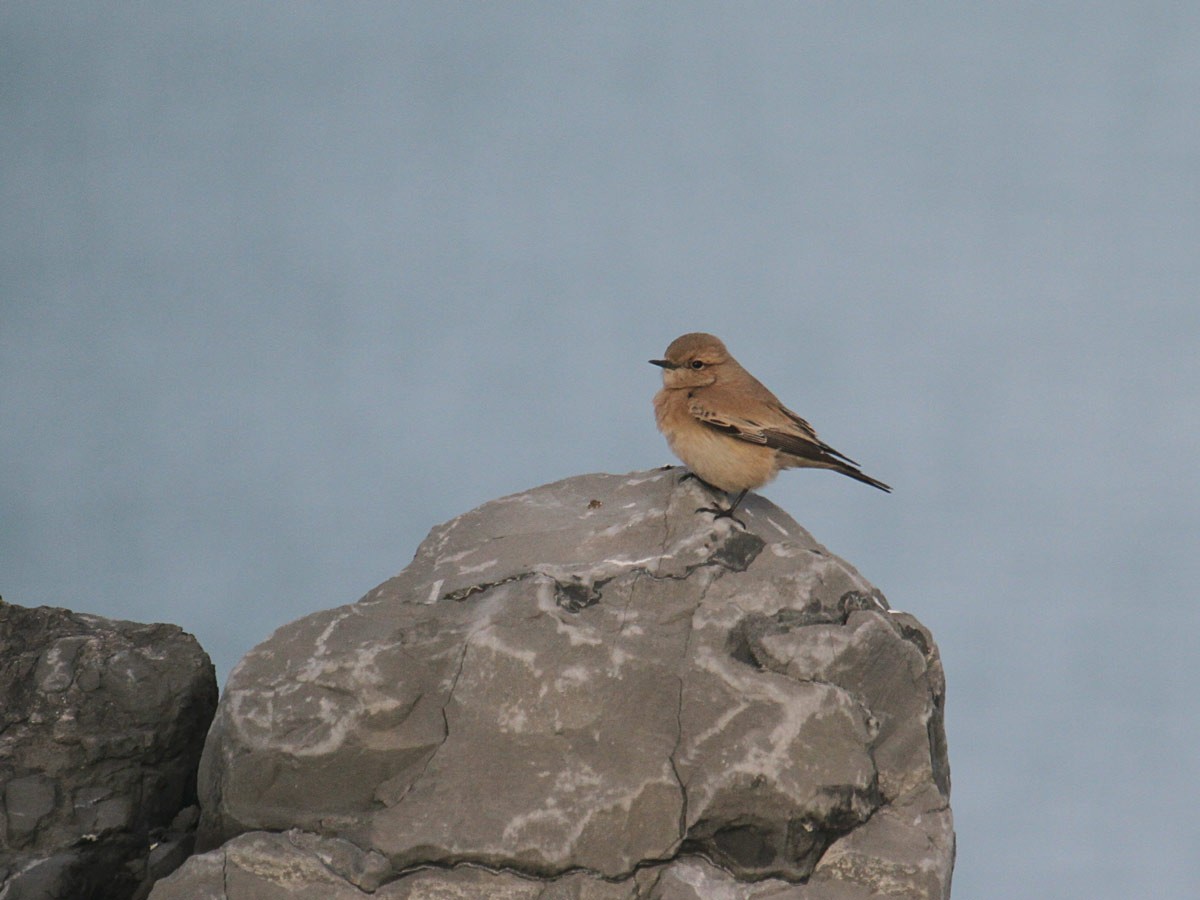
(587, 690)
(101, 726)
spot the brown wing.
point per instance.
(735, 426)
(796, 438)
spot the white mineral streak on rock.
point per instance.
(632, 522)
(652, 476)
(435, 591)
(782, 530)
(488, 639)
(786, 550)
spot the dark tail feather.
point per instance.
(859, 476)
(805, 451)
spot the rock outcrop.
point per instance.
(587, 690)
(101, 727)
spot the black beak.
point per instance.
(665, 363)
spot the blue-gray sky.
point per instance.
(284, 285)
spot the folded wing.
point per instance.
(787, 433)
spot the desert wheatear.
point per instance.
(731, 431)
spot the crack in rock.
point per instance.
(445, 724)
(576, 592)
(463, 593)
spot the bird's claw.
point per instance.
(719, 513)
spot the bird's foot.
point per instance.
(719, 513)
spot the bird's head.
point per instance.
(693, 360)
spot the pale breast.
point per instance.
(723, 461)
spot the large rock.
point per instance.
(101, 727)
(587, 690)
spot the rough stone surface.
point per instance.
(587, 690)
(276, 866)
(101, 727)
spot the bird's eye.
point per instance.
(696, 364)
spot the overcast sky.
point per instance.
(283, 286)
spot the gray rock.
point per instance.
(274, 866)
(588, 690)
(101, 726)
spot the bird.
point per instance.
(731, 432)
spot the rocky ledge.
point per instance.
(587, 690)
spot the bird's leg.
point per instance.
(719, 513)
